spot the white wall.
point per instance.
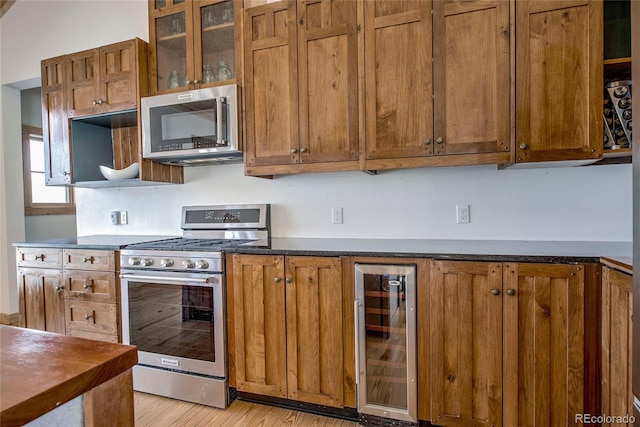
(587, 203)
(33, 30)
(582, 203)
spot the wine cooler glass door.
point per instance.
(386, 341)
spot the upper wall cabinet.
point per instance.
(192, 43)
(55, 123)
(105, 79)
(90, 117)
(449, 105)
(300, 86)
(559, 80)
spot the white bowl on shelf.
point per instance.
(126, 173)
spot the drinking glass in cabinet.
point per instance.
(224, 71)
(177, 23)
(170, 25)
(217, 14)
(208, 75)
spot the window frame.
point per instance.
(30, 208)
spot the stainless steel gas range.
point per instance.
(173, 302)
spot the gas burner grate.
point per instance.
(188, 244)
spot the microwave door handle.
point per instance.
(221, 141)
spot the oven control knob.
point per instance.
(134, 261)
(202, 264)
(146, 262)
(187, 263)
(166, 262)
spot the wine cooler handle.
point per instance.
(356, 326)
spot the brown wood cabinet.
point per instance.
(513, 343)
(193, 43)
(82, 86)
(105, 79)
(301, 86)
(55, 126)
(617, 360)
(91, 293)
(40, 289)
(559, 80)
(446, 99)
(286, 327)
(466, 343)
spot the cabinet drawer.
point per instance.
(93, 335)
(87, 259)
(97, 286)
(88, 316)
(39, 257)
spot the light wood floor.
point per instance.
(156, 411)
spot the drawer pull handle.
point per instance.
(90, 259)
(39, 257)
(87, 285)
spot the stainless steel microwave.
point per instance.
(192, 128)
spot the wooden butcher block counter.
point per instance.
(40, 371)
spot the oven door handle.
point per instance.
(164, 279)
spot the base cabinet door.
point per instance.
(41, 299)
(544, 369)
(466, 343)
(288, 330)
(259, 324)
(617, 311)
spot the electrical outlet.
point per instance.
(462, 214)
(336, 215)
(115, 217)
(124, 217)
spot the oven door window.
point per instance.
(173, 320)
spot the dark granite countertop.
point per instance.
(464, 250)
(107, 242)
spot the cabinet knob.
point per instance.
(495, 291)
(523, 146)
(65, 173)
(427, 141)
(87, 285)
(439, 140)
(59, 288)
(196, 81)
(277, 279)
(294, 151)
(511, 292)
(95, 103)
(288, 280)
(188, 82)
(303, 150)
(88, 316)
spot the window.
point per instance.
(38, 198)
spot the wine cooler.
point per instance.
(385, 329)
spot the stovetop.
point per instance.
(189, 244)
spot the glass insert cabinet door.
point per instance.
(193, 44)
(385, 330)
